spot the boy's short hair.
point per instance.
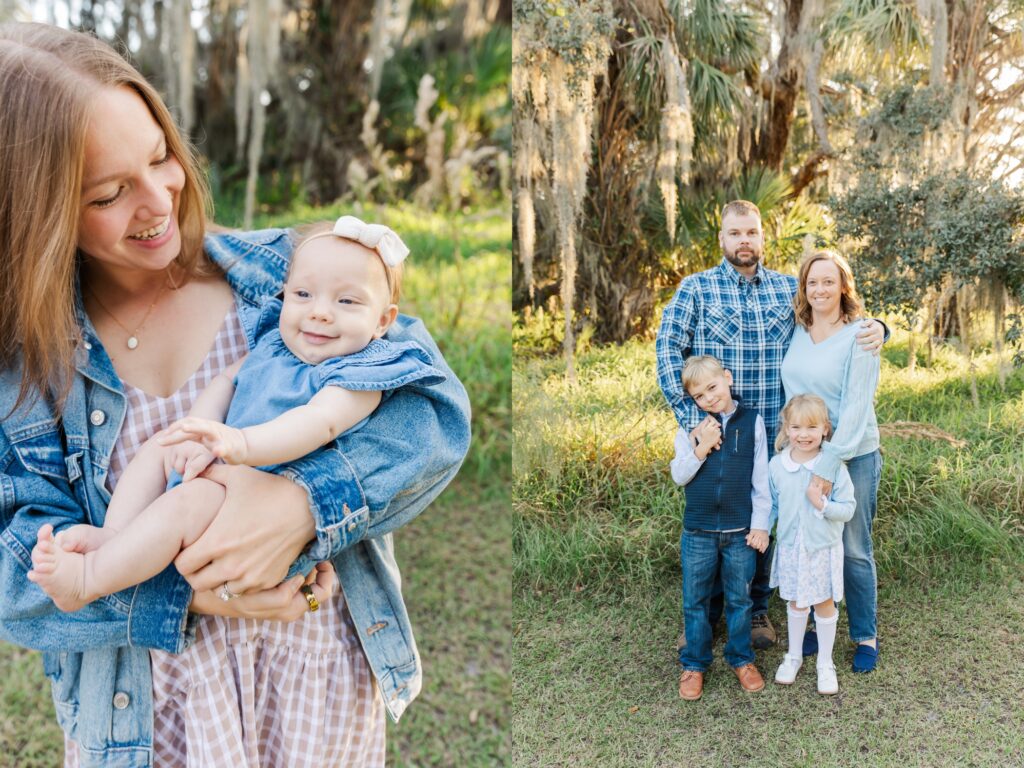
(304, 232)
(699, 368)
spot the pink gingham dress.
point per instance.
(248, 693)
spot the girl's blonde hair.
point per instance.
(850, 306)
(307, 232)
(49, 77)
(808, 409)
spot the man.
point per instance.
(741, 313)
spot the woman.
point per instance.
(116, 312)
(824, 359)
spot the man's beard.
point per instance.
(743, 259)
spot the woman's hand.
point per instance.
(263, 525)
(281, 603)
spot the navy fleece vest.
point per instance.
(718, 496)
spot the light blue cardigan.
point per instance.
(788, 481)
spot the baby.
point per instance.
(319, 368)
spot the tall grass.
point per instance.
(597, 511)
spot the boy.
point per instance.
(724, 465)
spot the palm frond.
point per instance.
(765, 188)
(865, 33)
(642, 68)
(719, 32)
(712, 92)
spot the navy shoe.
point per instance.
(865, 658)
(810, 642)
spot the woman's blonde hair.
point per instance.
(49, 77)
(307, 232)
(807, 409)
(850, 306)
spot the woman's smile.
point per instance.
(158, 236)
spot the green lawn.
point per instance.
(455, 558)
(597, 587)
(595, 684)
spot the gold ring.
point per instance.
(307, 590)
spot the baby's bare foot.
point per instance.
(60, 574)
(83, 538)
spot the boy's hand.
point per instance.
(816, 492)
(222, 441)
(758, 540)
(189, 459)
(871, 336)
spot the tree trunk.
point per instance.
(780, 89)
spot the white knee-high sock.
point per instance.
(796, 622)
(826, 635)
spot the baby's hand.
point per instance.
(222, 441)
(758, 539)
(189, 459)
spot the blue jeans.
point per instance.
(859, 576)
(709, 556)
(759, 589)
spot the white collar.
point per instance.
(791, 465)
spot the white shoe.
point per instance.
(786, 673)
(827, 682)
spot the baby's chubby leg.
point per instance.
(142, 482)
(146, 546)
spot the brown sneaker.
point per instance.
(750, 679)
(762, 633)
(691, 685)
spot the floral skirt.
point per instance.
(807, 578)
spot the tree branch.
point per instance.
(808, 172)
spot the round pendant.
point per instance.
(132, 342)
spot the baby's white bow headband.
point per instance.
(376, 237)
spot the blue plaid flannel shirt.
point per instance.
(745, 323)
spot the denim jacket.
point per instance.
(362, 487)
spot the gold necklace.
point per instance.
(133, 336)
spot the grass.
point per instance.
(596, 583)
(595, 684)
(455, 558)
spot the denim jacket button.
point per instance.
(121, 700)
(352, 526)
(97, 418)
(87, 345)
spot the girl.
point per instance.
(808, 563)
(317, 370)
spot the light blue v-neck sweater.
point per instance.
(843, 375)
